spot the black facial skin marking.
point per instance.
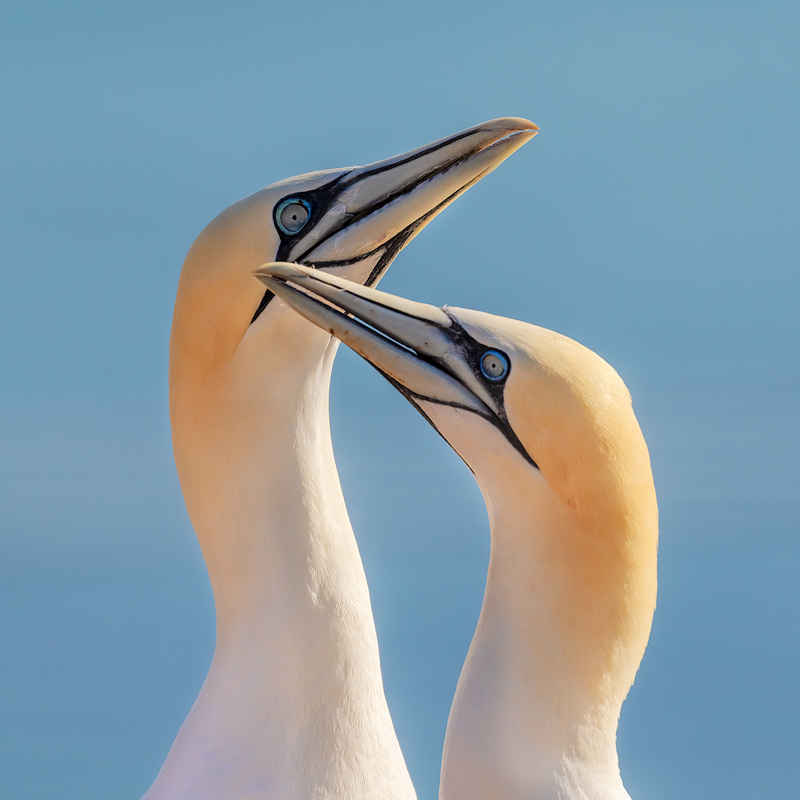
(499, 423)
(471, 351)
(320, 201)
(469, 348)
(322, 198)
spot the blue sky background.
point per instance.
(654, 218)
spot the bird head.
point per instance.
(498, 390)
(351, 221)
(547, 428)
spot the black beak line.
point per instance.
(391, 247)
(326, 195)
(468, 348)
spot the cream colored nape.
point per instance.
(571, 586)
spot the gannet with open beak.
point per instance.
(293, 705)
(548, 430)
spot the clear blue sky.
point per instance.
(654, 218)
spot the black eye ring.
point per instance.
(292, 220)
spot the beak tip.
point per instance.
(513, 125)
(277, 269)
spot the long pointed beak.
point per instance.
(415, 345)
(375, 204)
(423, 351)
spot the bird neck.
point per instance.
(253, 451)
(561, 632)
(295, 688)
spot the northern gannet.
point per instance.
(293, 705)
(548, 430)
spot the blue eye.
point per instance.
(494, 365)
(292, 214)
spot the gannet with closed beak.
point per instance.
(293, 705)
(548, 430)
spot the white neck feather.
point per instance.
(293, 705)
(563, 626)
(531, 717)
